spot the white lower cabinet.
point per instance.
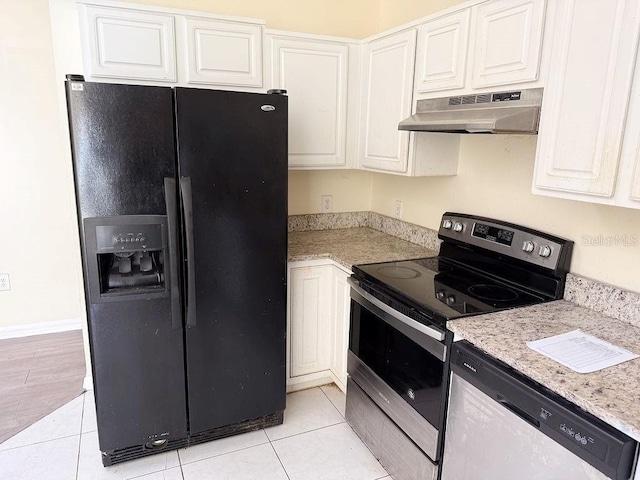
(341, 309)
(310, 288)
(317, 324)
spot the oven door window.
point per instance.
(409, 369)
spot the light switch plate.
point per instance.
(5, 284)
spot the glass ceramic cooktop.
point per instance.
(444, 287)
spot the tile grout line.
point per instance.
(223, 454)
(39, 443)
(308, 431)
(330, 401)
(179, 464)
(84, 404)
(278, 457)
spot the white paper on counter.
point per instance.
(581, 352)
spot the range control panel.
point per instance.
(508, 239)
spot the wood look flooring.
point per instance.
(38, 374)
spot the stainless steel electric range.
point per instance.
(399, 343)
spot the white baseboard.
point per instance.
(87, 384)
(40, 328)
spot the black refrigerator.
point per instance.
(182, 210)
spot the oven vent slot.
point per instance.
(470, 99)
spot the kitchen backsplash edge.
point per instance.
(425, 237)
(606, 299)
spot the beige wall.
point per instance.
(346, 18)
(350, 189)
(397, 12)
(494, 180)
(38, 244)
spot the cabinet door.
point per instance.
(585, 101)
(310, 297)
(387, 94)
(315, 77)
(635, 181)
(122, 43)
(442, 53)
(508, 42)
(341, 304)
(628, 183)
(224, 53)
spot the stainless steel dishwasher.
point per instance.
(502, 425)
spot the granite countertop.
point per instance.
(352, 246)
(611, 394)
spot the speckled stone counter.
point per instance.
(352, 246)
(612, 394)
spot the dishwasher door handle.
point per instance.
(517, 411)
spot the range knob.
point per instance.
(450, 300)
(528, 246)
(545, 251)
(457, 227)
(440, 294)
(447, 224)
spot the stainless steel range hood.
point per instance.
(515, 112)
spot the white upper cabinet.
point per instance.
(586, 100)
(128, 44)
(481, 47)
(386, 100)
(628, 183)
(507, 42)
(153, 44)
(387, 96)
(224, 53)
(442, 53)
(315, 75)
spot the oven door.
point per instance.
(400, 363)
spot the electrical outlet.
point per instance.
(326, 203)
(4, 282)
(398, 211)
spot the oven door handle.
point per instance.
(429, 331)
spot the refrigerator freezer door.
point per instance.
(123, 148)
(233, 146)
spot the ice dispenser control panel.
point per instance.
(116, 238)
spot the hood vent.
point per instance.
(516, 112)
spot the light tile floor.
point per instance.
(314, 442)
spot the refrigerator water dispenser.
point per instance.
(126, 256)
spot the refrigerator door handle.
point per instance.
(172, 234)
(187, 211)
